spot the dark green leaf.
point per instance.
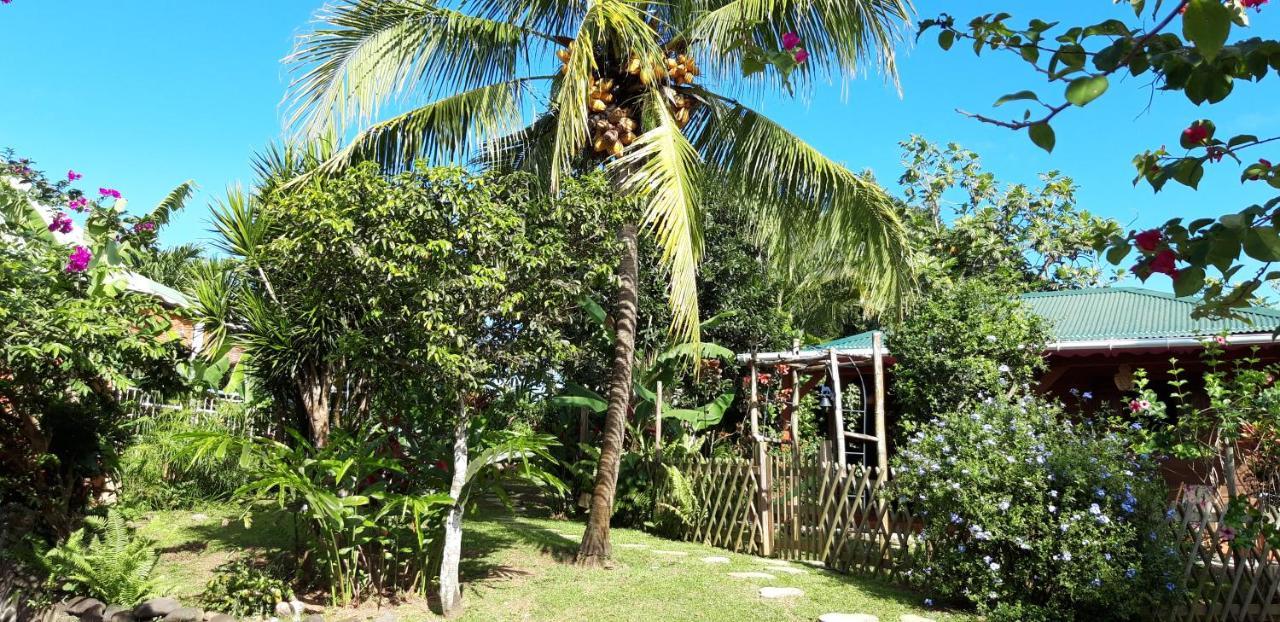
(1188, 281)
(1207, 24)
(1262, 243)
(946, 38)
(1020, 95)
(1042, 135)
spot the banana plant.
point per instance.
(665, 366)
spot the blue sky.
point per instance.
(141, 95)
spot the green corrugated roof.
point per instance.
(1118, 313)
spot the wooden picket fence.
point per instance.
(840, 516)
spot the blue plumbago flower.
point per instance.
(928, 602)
(991, 338)
(986, 559)
(1170, 586)
(1009, 459)
(1106, 556)
(1064, 527)
(1103, 520)
(1169, 514)
(1094, 509)
(1004, 506)
(994, 566)
(1066, 556)
(955, 519)
(1053, 493)
(1004, 369)
(1052, 508)
(960, 548)
(1088, 395)
(1075, 392)
(1096, 582)
(1130, 573)
(1100, 492)
(1135, 426)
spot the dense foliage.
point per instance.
(244, 588)
(961, 344)
(1032, 517)
(71, 338)
(1180, 48)
(104, 560)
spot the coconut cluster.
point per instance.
(613, 123)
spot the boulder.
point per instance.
(284, 610)
(185, 614)
(82, 606)
(155, 608)
(780, 592)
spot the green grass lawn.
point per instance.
(514, 569)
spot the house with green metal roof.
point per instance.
(1099, 338)
(1118, 318)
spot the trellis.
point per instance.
(1224, 582)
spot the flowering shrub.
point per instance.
(969, 339)
(1031, 517)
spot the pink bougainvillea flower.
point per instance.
(73, 176)
(1248, 4)
(79, 259)
(1227, 534)
(1139, 405)
(1165, 262)
(145, 225)
(1195, 134)
(1222, 341)
(1216, 153)
(109, 192)
(802, 55)
(78, 204)
(790, 40)
(60, 223)
(1149, 240)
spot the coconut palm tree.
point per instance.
(651, 90)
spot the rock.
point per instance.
(908, 617)
(814, 563)
(716, 560)
(155, 608)
(780, 592)
(112, 610)
(85, 606)
(315, 617)
(185, 614)
(221, 617)
(751, 575)
(847, 617)
(311, 608)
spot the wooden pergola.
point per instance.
(819, 364)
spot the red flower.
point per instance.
(764, 378)
(1195, 134)
(1165, 262)
(439, 464)
(1216, 153)
(784, 369)
(1149, 240)
(1254, 4)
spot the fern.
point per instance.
(103, 559)
(677, 505)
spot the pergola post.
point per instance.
(837, 408)
(795, 445)
(882, 436)
(762, 466)
(657, 424)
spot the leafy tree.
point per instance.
(71, 338)
(1187, 49)
(627, 97)
(966, 225)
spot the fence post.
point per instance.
(657, 424)
(761, 464)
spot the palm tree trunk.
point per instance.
(595, 548)
(450, 588)
(313, 391)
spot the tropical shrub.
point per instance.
(1030, 516)
(245, 588)
(962, 342)
(105, 560)
(71, 338)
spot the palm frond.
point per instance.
(805, 204)
(547, 16)
(171, 204)
(841, 36)
(444, 129)
(240, 225)
(369, 51)
(663, 167)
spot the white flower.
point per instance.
(991, 338)
(1004, 369)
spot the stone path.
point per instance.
(780, 592)
(751, 575)
(786, 569)
(716, 560)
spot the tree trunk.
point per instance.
(595, 548)
(313, 390)
(450, 588)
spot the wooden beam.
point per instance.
(657, 423)
(882, 441)
(837, 409)
(762, 467)
(862, 437)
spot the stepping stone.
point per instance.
(786, 569)
(631, 545)
(568, 536)
(776, 562)
(780, 592)
(847, 617)
(751, 575)
(672, 553)
(716, 560)
(907, 617)
(814, 563)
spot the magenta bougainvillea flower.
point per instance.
(790, 40)
(61, 223)
(1248, 4)
(73, 176)
(78, 204)
(109, 192)
(1195, 134)
(1165, 263)
(79, 259)
(802, 55)
(145, 225)
(1148, 240)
